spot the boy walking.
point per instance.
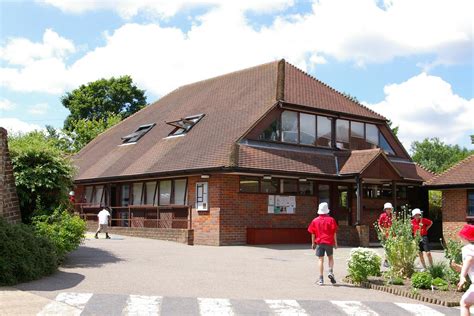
(103, 223)
(323, 238)
(422, 224)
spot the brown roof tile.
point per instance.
(461, 173)
(357, 160)
(412, 171)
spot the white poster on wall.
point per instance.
(281, 204)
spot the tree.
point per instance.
(394, 129)
(437, 156)
(100, 99)
(43, 174)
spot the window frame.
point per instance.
(468, 192)
(205, 184)
(133, 139)
(186, 129)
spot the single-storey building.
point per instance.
(457, 204)
(245, 158)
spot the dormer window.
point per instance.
(135, 136)
(184, 125)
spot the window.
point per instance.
(324, 132)
(323, 193)
(125, 197)
(184, 125)
(306, 188)
(343, 196)
(342, 134)
(470, 203)
(358, 136)
(289, 127)
(307, 129)
(272, 132)
(180, 191)
(137, 190)
(401, 192)
(386, 146)
(165, 192)
(201, 196)
(88, 194)
(249, 184)
(135, 136)
(372, 135)
(150, 189)
(289, 186)
(376, 191)
(269, 186)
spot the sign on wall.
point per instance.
(281, 204)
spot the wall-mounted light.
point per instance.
(302, 179)
(204, 176)
(267, 177)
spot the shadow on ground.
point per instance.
(88, 257)
(59, 280)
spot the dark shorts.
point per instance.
(321, 249)
(423, 245)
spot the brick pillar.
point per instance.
(9, 203)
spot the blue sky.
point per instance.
(411, 61)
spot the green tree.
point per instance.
(394, 129)
(100, 99)
(437, 156)
(43, 174)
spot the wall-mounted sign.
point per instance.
(281, 204)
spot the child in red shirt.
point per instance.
(385, 222)
(422, 224)
(323, 238)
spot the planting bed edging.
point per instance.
(404, 293)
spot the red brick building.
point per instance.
(457, 204)
(245, 158)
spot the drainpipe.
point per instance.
(359, 199)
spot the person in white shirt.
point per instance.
(103, 216)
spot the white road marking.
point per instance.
(67, 304)
(354, 308)
(286, 307)
(143, 305)
(215, 306)
(419, 309)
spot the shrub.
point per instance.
(24, 256)
(421, 280)
(401, 249)
(396, 281)
(440, 284)
(64, 230)
(363, 263)
(437, 270)
(452, 251)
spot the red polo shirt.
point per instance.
(415, 224)
(323, 227)
(385, 220)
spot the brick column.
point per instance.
(9, 203)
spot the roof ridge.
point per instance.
(426, 169)
(338, 92)
(455, 166)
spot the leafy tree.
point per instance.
(394, 129)
(100, 99)
(437, 156)
(43, 174)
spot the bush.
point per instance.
(440, 284)
(64, 230)
(452, 251)
(24, 256)
(421, 280)
(438, 270)
(396, 281)
(362, 264)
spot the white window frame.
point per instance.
(202, 198)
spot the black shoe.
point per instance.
(96, 237)
(332, 278)
(107, 237)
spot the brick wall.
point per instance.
(9, 203)
(454, 210)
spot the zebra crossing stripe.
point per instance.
(354, 308)
(419, 309)
(66, 304)
(215, 306)
(143, 305)
(286, 307)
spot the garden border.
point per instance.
(404, 293)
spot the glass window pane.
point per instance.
(307, 129)
(324, 132)
(249, 184)
(289, 186)
(401, 192)
(201, 196)
(165, 192)
(150, 192)
(357, 136)
(289, 127)
(372, 135)
(180, 191)
(323, 193)
(88, 194)
(99, 190)
(125, 195)
(137, 193)
(342, 134)
(272, 132)
(269, 186)
(306, 188)
(386, 146)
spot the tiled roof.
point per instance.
(357, 160)
(461, 173)
(412, 171)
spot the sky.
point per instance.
(409, 60)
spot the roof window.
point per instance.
(184, 125)
(135, 136)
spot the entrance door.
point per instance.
(342, 203)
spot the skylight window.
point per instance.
(184, 125)
(135, 136)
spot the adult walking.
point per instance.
(324, 239)
(103, 216)
(385, 222)
(422, 224)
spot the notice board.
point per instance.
(281, 204)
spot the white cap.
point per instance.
(323, 208)
(415, 211)
(71, 193)
(387, 205)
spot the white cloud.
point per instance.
(6, 104)
(14, 126)
(426, 106)
(38, 109)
